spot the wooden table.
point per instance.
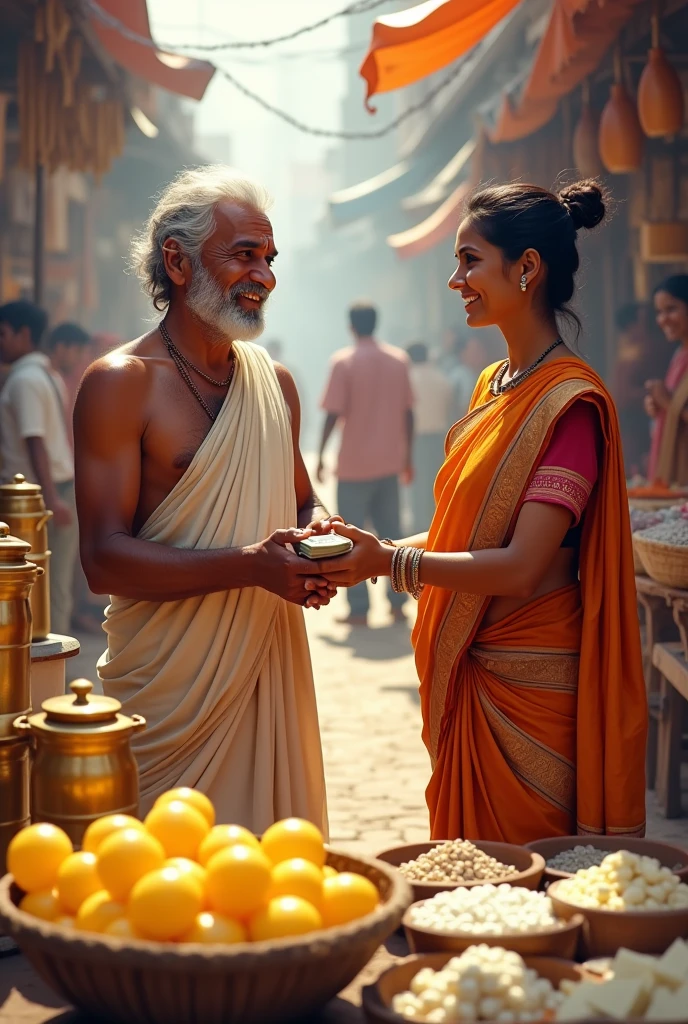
(669, 659)
(26, 999)
(666, 621)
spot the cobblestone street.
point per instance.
(376, 765)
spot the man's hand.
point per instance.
(408, 474)
(282, 572)
(62, 513)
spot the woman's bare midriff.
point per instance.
(562, 573)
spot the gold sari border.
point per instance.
(542, 669)
(542, 769)
(490, 529)
(619, 830)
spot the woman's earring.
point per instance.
(524, 282)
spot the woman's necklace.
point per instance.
(183, 365)
(496, 386)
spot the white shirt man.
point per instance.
(34, 441)
(433, 396)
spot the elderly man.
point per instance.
(190, 487)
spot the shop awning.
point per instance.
(182, 75)
(577, 37)
(440, 225)
(413, 44)
(441, 185)
(389, 187)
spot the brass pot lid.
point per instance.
(19, 486)
(13, 551)
(81, 706)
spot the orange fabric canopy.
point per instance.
(578, 35)
(412, 44)
(441, 223)
(182, 75)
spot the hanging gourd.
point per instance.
(620, 135)
(586, 155)
(660, 92)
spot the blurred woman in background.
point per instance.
(666, 402)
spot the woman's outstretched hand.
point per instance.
(368, 558)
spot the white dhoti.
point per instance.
(225, 681)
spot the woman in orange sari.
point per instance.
(527, 642)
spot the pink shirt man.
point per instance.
(369, 389)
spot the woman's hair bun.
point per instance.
(584, 202)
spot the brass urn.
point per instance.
(17, 577)
(83, 766)
(23, 509)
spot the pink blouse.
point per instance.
(568, 470)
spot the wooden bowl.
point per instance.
(530, 866)
(606, 931)
(377, 998)
(668, 856)
(137, 982)
(561, 941)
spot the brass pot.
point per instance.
(14, 792)
(23, 509)
(83, 766)
(17, 577)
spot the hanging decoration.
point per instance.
(586, 154)
(64, 120)
(660, 91)
(620, 135)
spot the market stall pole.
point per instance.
(39, 236)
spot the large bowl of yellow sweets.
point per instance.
(176, 919)
(629, 900)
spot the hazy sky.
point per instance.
(309, 88)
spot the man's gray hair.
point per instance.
(185, 211)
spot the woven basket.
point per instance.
(637, 563)
(155, 983)
(665, 563)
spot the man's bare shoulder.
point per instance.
(119, 381)
(123, 366)
(286, 381)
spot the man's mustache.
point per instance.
(248, 289)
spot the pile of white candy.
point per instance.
(484, 983)
(625, 881)
(486, 910)
(576, 858)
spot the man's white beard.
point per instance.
(220, 309)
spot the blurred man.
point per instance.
(70, 351)
(471, 360)
(34, 439)
(433, 398)
(369, 391)
(190, 487)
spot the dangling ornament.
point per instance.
(586, 154)
(660, 92)
(620, 136)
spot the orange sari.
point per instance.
(536, 725)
